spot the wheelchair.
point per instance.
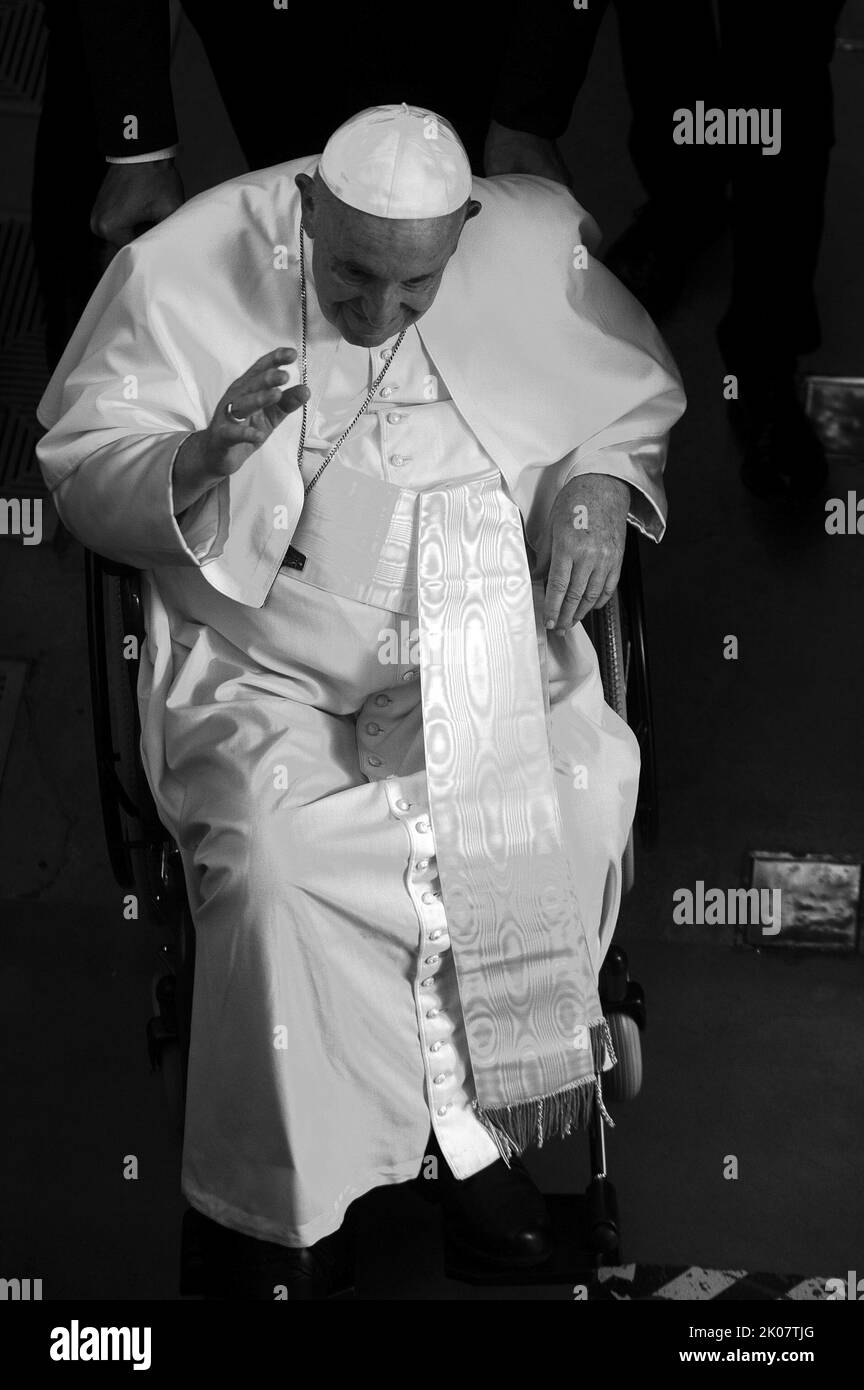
(146, 861)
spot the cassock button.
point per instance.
(373, 761)
(424, 984)
(393, 417)
(403, 805)
(410, 676)
(431, 960)
(428, 898)
(397, 460)
(422, 826)
(442, 1109)
(382, 699)
(432, 1013)
(436, 1047)
(436, 935)
(386, 392)
(422, 864)
(440, 1078)
(373, 728)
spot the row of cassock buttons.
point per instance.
(422, 827)
(428, 981)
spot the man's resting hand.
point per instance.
(519, 152)
(583, 547)
(210, 455)
(133, 197)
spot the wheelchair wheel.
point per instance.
(607, 635)
(637, 684)
(617, 632)
(171, 1069)
(143, 855)
(165, 1047)
(624, 1081)
(628, 866)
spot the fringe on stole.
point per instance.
(514, 1127)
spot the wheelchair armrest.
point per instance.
(618, 634)
(115, 567)
(114, 607)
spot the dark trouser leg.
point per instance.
(669, 63)
(67, 173)
(240, 1268)
(776, 60)
(670, 56)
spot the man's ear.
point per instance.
(471, 210)
(307, 198)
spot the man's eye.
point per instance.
(356, 277)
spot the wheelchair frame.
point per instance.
(145, 858)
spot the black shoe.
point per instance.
(239, 1267)
(497, 1215)
(782, 454)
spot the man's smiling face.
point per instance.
(375, 276)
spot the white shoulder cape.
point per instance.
(553, 364)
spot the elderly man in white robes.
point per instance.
(374, 433)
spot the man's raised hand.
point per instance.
(259, 395)
(260, 399)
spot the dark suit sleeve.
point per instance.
(127, 51)
(545, 64)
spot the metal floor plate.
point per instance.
(820, 900)
(835, 405)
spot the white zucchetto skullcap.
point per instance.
(397, 161)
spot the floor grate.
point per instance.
(23, 41)
(692, 1283)
(23, 368)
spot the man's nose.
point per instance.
(381, 306)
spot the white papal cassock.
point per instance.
(284, 746)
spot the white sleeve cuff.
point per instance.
(150, 158)
(119, 502)
(641, 465)
(204, 524)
